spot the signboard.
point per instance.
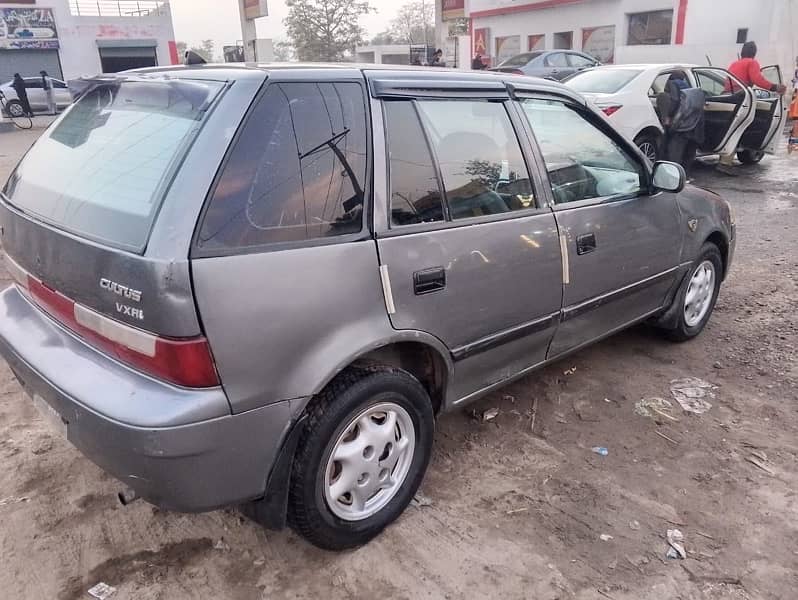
(599, 42)
(28, 28)
(452, 9)
(535, 43)
(254, 9)
(481, 37)
(507, 47)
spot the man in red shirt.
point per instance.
(749, 72)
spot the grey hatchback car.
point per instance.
(259, 286)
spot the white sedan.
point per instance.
(738, 119)
(36, 95)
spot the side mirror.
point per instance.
(669, 177)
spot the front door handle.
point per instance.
(585, 244)
(429, 281)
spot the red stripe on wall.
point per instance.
(523, 8)
(173, 53)
(681, 17)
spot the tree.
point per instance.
(283, 51)
(325, 30)
(383, 39)
(205, 50)
(414, 23)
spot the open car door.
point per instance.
(729, 109)
(771, 113)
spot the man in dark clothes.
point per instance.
(681, 110)
(22, 94)
(478, 64)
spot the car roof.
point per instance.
(412, 76)
(647, 67)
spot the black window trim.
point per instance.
(633, 152)
(366, 232)
(538, 184)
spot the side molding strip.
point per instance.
(386, 290)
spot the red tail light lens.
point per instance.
(610, 110)
(184, 362)
(517, 72)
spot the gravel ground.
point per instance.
(517, 507)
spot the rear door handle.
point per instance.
(429, 281)
(586, 243)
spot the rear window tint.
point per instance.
(480, 159)
(297, 171)
(415, 191)
(102, 171)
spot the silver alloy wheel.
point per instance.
(369, 462)
(699, 293)
(15, 110)
(650, 150)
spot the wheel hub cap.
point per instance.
(699, 294)
(369, 462)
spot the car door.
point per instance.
(557, 66)
(467, 253)
(729, 109)
(621, 246)
(62, 96)
(771, 114)
(35, 89)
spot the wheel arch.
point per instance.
(718, 238)
(652, 131)
(420, 354)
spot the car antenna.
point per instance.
(192, 58)
(709, 60)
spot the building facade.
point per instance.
(631, 31)
(72, 38)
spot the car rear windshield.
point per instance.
(520, 60)
(101, 172)
(602, 81)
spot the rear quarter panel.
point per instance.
(710, 215)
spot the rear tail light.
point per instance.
(610, 110)
(184, 362)
(517, 72)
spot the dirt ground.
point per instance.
(516, 507)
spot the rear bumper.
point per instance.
(179, 449)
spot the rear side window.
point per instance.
(104, 168)
(415, 192)
(297, 171)
(480, 159)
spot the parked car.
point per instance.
(738, 119)
(552, 64)
(261, 286)
(36, 95)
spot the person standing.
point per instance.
(478, 64)
(22, 94)
(49, 92)
(748, 70)
(681, 110)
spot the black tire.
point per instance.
(328, 415)
(681, 331)
(650, 146)
(750, 157)
(14, 109)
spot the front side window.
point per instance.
(716, 83)
(415, 192)
(480, 159)
(297, 171)
(650, 28)
(582, 161)
(557, 59)
(580, 62)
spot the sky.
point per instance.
(197, 20)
